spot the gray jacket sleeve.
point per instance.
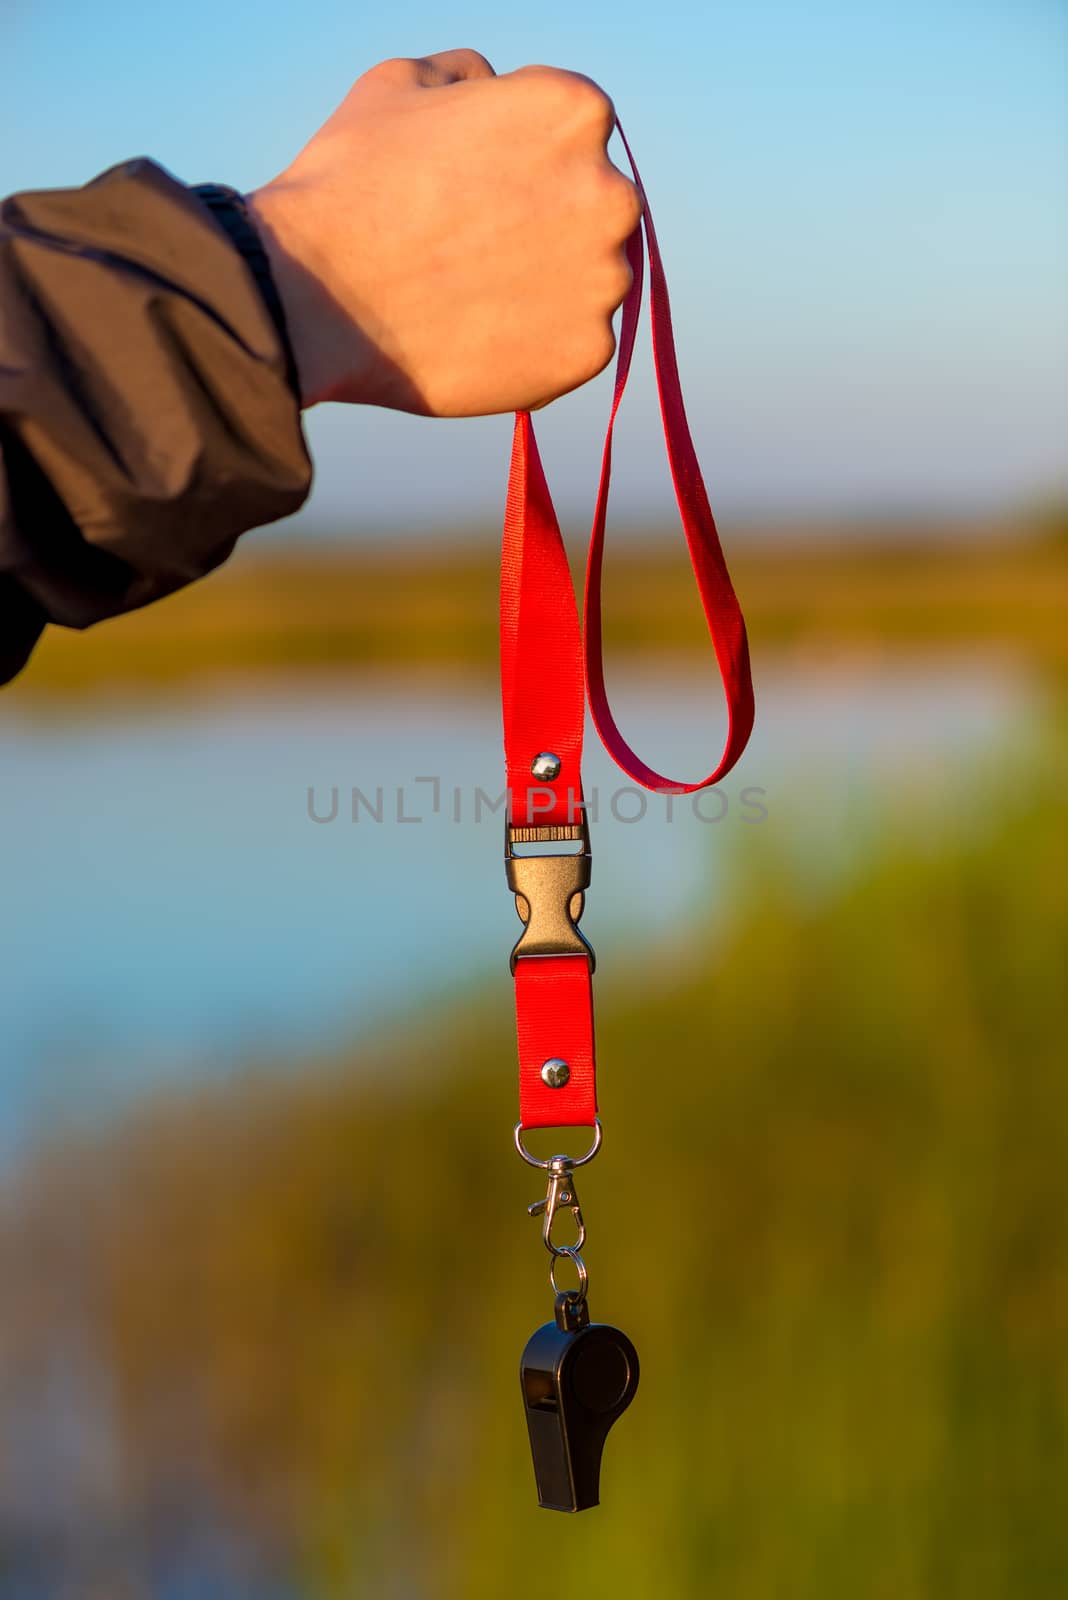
(148, 411)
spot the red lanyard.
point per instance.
(547, 670)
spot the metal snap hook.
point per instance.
(561, 1195)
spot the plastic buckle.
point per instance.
(549, 890)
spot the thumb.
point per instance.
(451, 66)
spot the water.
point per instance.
(172, 911)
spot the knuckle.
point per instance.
(631, 205)
(623, 202)
(582, 97)
(475, 61)
(397, 69)
(542, 80)
(601, 349)
(598, 107)
(622, 280)
(592, 106)
(451, 66)
(432, 71)
(589, 355)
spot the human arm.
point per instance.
(146, 417)
(449, 243)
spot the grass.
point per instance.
(831, 1210)
(436, 608)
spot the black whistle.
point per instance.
(577, 1377)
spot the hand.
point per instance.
(451, 242)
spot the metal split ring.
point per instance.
(571, 1252)
(576, 1161)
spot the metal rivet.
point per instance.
(546, 767)
(555, 1072)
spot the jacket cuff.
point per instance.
(228, 208)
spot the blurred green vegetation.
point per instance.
(339, 606)
(831, 1210)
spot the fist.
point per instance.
(452, 242)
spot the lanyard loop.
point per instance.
(723, 614)
(547, 668)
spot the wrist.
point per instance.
(333, 359)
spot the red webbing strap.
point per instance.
(722, 611)
(542, 692)
(547, 670)
(554, 1017)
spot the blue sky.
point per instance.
(863, 209)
